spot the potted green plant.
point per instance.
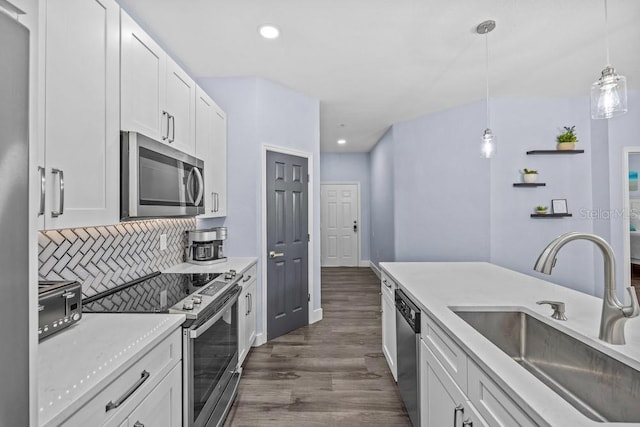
(541, 210)
(567, 139)
(529, 175)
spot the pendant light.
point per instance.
(609, 92)
(488, 144)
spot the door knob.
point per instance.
(355, 226)
(274, 254)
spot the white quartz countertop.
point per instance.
(75, 364)
(439, 286)
(240, 265)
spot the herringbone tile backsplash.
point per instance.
(104, 257)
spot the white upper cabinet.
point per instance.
(80, 128)
(180, 105)
(157, 96)
(211, 146)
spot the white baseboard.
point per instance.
(316, 316)
(375, 268)
(260, 339)
(364, 263)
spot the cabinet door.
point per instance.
(389, 333)
(81, 126)
(219, 188)
(243, 311)
(143, 75)
(250, 326)
(442, 403)
(163, 406)
(180, 105)
(204, 146)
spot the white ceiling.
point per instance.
(372, 63)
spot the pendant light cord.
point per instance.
(606, 32)
(486, 46)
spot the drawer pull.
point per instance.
(246, 279)
(386, 284)
(467, 423)
(138, 424)
(143, 377)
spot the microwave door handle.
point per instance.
(200, 186)
(188, 189)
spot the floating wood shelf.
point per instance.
(529, 184)
(533, 152)
(551, 215)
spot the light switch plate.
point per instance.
(163, 242)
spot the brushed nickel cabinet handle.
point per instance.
(173, 128)
(457, 409)
(164, 137)
(43, 189)
(144, 375)
(138, 424)
(60, 210)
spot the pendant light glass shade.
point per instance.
(609, 92)
(488, 144)
(609, 95)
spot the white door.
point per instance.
(340, 205)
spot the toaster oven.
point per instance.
(59, 306)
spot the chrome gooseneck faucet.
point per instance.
(614, 313)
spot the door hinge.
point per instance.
(308, 297)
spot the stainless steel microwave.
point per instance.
(158, 181)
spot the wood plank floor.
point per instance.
(331, 373)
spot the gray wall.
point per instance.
(382, 241)
(351, 167)
(261, 112)
(441, 186)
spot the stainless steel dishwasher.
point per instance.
(408, 342)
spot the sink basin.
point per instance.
(599, 386)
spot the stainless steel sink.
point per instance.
(602, 388)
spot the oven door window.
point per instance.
(215, 354)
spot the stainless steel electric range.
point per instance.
(210, 333)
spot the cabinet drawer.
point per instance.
(388, 286)
(157, 362)
(492, 402)
(248, 275)
(448, 353)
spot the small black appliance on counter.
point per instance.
(59, 306)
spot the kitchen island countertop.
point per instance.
(437, 287)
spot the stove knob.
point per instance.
(197, 299)
(188, 305)
(76, 316)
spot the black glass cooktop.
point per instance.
(155, 293)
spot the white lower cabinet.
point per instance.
(163, 406)
(389, 347)
(247, 314)
(454, 391)
(150, 390)
(442, 402)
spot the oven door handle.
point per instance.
(195, 333)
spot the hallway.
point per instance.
(331, 373)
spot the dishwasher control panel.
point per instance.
(408, 310)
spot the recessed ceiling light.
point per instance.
(269, 31)
(342, 141)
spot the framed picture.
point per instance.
(559, 206)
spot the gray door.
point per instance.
(14, 225)
(287, 243)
